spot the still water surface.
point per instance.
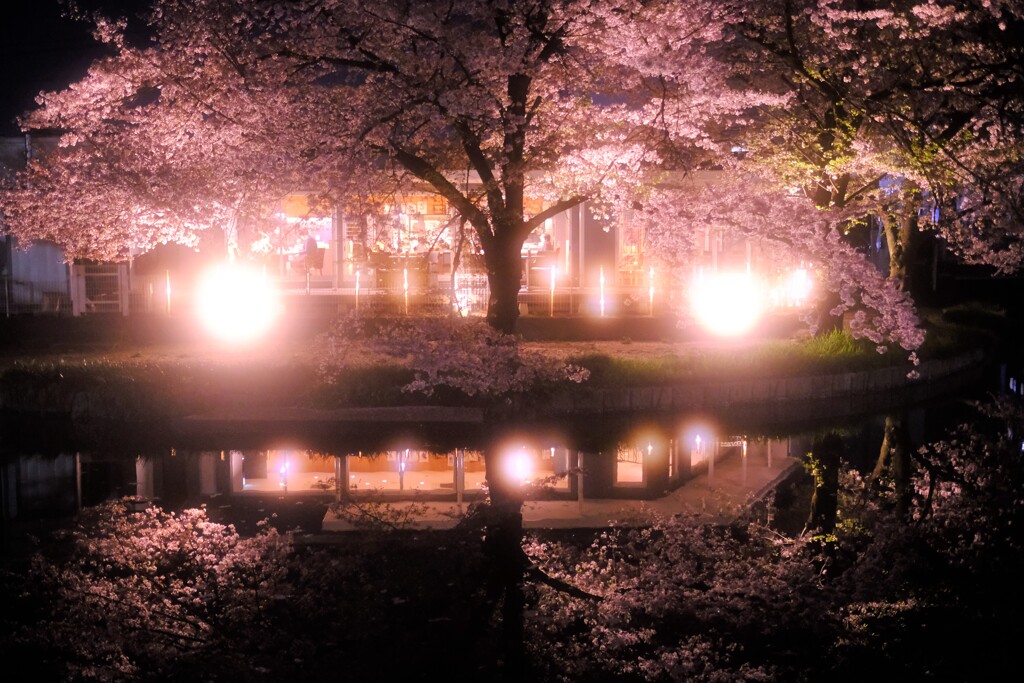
(49, 472)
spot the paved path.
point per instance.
(720, 497)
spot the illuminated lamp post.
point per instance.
(650, 291)
(284, 476)
(551, 299)
(405, 288)
(357, 290)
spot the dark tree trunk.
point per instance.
(503, 549)
(504, 277)
(894, 456)
(825, 463)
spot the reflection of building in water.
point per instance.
(642, 467)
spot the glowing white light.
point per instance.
(551, 299)
(799, 286)
(236, 304)
(727, 304)
(519, 467)
(650, 291)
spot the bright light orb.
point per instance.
(236, 304)
(727, 304)
(518, 467)
(799, 286)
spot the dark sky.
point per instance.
(42, 50)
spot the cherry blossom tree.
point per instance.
(455, 357)
(681, 600)
(908, 114)
(903, 117)
(786, 228)
(137, 590)
(230, 102)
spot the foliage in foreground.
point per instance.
(886, 593)
(155, 595)
(926, 591)
(446, 355)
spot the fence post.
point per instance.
(123, 288)
(77, 290)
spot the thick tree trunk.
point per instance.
(504, 276)
(894, 457)
(826, 453)
(503, 548)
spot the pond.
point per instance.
(50, 471)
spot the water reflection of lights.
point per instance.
(518, 466)
(407, 470)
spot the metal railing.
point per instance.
(20, 297)
(108, 291)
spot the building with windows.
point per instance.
(411, 254)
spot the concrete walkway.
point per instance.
(719, 497)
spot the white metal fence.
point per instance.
(20, 297)
(110, 289)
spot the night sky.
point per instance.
(42, 50)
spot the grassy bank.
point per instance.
(198, 376)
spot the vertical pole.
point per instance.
(650, 291)
(551, 301)
(711, 460)
(714, 252)
(455, 293)
(460, 480)
(770, 442)
(6, 257)
(77, 290)
(582, 234)
(744, 452)
(337, 240)
(122, 288)
(357, 290)
(601, 284)
(78, 481)
(337, 478)
(671, 460)
(579, 482)
(167, 290)
(405, 288)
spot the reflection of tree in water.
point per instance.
(675, 600)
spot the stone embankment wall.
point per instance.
(783, 398)
(815, 396)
